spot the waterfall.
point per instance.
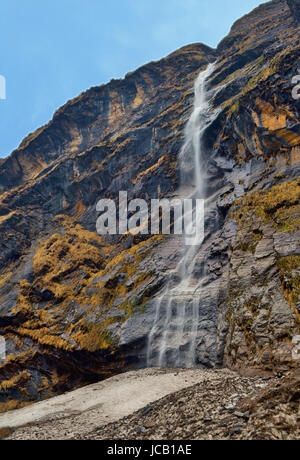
(173, 338)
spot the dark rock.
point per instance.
(237, 429)
(141, 430)
(46, 295)
(146, 410)
(230, 408)
(294, 6)
(207, 420)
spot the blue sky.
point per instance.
(52, 50)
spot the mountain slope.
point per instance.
(76, 307)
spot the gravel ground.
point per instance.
(220, 405)
(230, 408)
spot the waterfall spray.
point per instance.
(173, 338)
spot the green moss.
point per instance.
(133, 307)
(247, 247)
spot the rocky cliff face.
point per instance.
(294, 6)
(76, 307)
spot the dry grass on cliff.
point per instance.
(80, 274)
(280, 206)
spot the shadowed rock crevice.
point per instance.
(294, 6)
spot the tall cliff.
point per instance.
(76, 307)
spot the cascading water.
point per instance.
(173, 338)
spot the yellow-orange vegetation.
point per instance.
(280, 205)
(75, 266)
(18, 379)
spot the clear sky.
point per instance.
(52, 50)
